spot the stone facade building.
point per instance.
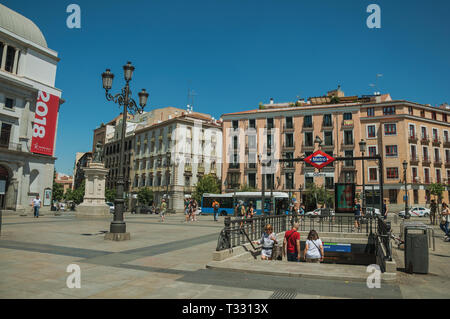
(27, 66)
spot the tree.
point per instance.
(110, 194)
(436, 189)
(207, 184)
(317, 196)
(77, 195)
(58, 191)
(145, 196)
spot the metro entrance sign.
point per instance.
(319, 159)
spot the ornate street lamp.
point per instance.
(405, 166)
(125, 100)
(362, 148)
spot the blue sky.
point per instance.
(237, 53)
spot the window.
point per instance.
(393, 196)
(424, 132)
(289, 178)
(9, 63)
(372, 150)
(447, 156)
(327, 120)
(252, 123)
(390, 129)
(252, 180)
(444, 117)
(437, 157)
(290, 140)
(410, 110)
(389, 110)
(412, 131)
(348, 154)
(307, 121)
(414, 175)
(433, 115)
(422, 113)
(438, 175)
(416, 196)
(392, 172)
(289, 155)
(425, 153)
(348, 137)
(309, 180)
(329, 182)
(426, 175)
(391, 150)
(9, 103)
(373, 174)
(235, 125)
(413, 153)
(370, 111)
(289, 123)
(347, 116)
(5, 134)
(328, 137)
(309, 139)
(446, 136)
(371, 131)
(270, 123)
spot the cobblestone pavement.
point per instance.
(162, 260)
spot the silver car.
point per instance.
(111, 207)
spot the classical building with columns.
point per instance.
(27, 67)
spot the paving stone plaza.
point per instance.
(169, 260)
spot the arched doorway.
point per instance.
(4, 182)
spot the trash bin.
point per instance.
(416, 247)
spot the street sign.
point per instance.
(319, 159)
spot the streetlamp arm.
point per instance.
(120, 99)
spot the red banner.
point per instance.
(44, 124)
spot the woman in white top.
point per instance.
(267, 241)
(313, 248)
(445, 218)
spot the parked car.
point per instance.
(111, 207)
(416, 211)
(142, 209)
(320, 212)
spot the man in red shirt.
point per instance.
(291, 244)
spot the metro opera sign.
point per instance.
(44, 125)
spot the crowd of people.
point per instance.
(190, 210)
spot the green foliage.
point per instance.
(436, 189)
(145, 195)
(334, 100)
(110, 194)
(246, 188)
(58, 191)
(317, 196)
(261, 106)
(76, 195)
(207, 184)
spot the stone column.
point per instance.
(16, 60)
(5, 50)
(94, 205)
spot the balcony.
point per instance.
(250, 166)
(308, 127)
(425, 140)
(307, 147)
(327, 124)
(414, 160)
(348, 145)
(289, 146)
(437, 162)
(188, 168)
(233, 166)
(416, 180)
(436, 142)
(447, 164)
(11, 146)
(288, 128)
(426, 161)
(412, 139)
(201, 169)
(446, 144)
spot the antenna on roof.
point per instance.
(375, 86)
(190, 99)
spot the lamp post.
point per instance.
(362, 148)
(125, 100)
(167, 178)
(405, 166)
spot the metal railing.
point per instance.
(384, 233)
(236, 230)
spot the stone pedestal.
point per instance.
(94, 205)
(117, 236)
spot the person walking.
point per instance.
(216, 206)
(250, 213)
(36, 203)
(194, 207)
(162, 209)
(357, 212)
(302, 211)
(186, 210)
(433, 208)
(444, 221)
(313, 248)
(267, 241)
(294, 211)
(291, 244)
(385, 210)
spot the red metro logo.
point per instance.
(319, 159)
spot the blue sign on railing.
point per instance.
(340, 248)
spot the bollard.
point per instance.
(227, 223)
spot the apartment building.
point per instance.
(398, 130)
(171, 156)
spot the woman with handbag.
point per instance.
(267, 241)
(445, 218)
(313, 252)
